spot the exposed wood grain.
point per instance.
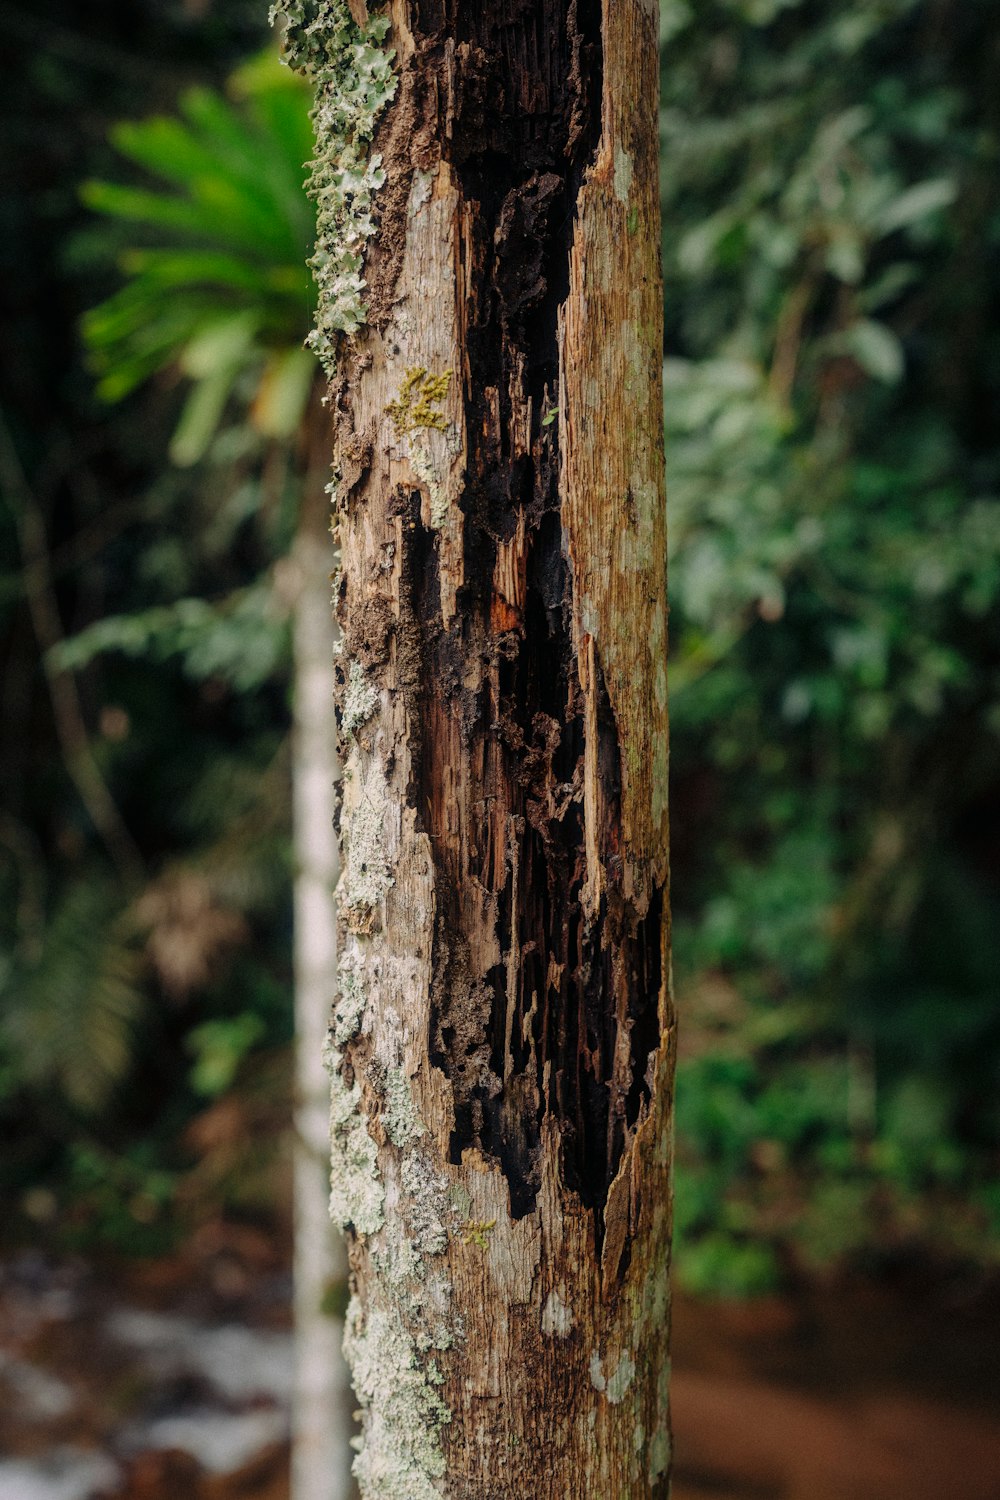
(503, 1066)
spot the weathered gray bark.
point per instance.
(501, 1053)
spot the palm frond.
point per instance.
(215, 264)
(68, 1018)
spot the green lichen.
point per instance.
(474, 1232)
(352, 75)
(659, 1454)
(419, 395)
(659, 1443)
(414, 414)
(401, 1455)
(360, 699)
(356, 1192)
(459, 1200)
(402, 1123)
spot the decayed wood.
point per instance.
(502, 1047)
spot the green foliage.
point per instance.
(129, 1014)
(241, 640)
(830, 241)
(217, 284)
(219, 1047)
(121, 1201)
(835, 587)
(69, 1007)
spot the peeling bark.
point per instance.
(501, 1054)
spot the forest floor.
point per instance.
(864, 1391)
(165, 1378)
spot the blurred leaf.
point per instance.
(201, 416)
(228, 293)
(283, 394)
(219, 1047)
(916, 203)
(241, 639)
(68, 1018)
(875, 347)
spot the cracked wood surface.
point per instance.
(504, 1047)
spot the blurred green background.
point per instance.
(831, 239)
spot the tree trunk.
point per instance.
(501, 1054)
(321, 1402)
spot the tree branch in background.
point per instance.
(67, 712)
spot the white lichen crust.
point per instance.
(402, 1122)
(350, 1003)
(402, 1453)
(387, 1188)
(351, 71)
(360, 699)
(356, 1192)
(365, 878)
(405, 1315)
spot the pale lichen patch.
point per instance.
(357, 1195)
(557, 1316)
(659, 1454)
(619, 1382)
(365, 879)
(440, 1327)
(655, 1303)
(660, 1445)
(402, 1123)
(401, 1454)
(615, 1385)
(350, 1002)
(402, 1270)
(420, 192)
(423, 467)
(361, 699)
(426, 1202)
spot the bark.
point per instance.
(322, 1402)
(501, 1053)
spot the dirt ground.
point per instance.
(862, 1392)
(172, 1379)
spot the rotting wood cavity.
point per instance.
(536, 1008)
